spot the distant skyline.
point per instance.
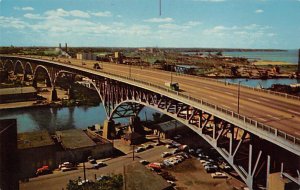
(255, 24)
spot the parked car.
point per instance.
(166, 154)
(176, 150)
(148, 146)
(66, 165)
(139, 149)
(144, 162)
(103, 177)
(219, 175)
(65, 169)
(99, 165)
(43, 170)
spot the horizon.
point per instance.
(206, 24)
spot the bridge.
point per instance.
(249, 127)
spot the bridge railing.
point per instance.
(244, 119)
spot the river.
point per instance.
(50, 119)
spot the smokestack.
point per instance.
(66, 48)
(59, 45)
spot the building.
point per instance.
(77, 146)
(17, 94)
(137, 176)
(186, 69)
(132, 138)
(8, 155)
(168, 129)
(86, 56)
(35, 149)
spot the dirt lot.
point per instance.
(191, 175)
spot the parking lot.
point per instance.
(185, 167)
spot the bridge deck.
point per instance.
(275, 111)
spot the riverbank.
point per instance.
(265, 62)
(18, 105)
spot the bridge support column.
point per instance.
(109, 131)
(53, 95)
(34, 83)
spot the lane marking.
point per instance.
(225, 106)
(213, 97)
(295, 112)
(228, 93)
(265, 99)
(253, 100)
(206, 87)
(273, 117)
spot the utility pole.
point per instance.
(84, 174)
(239, 97)
(132, 152)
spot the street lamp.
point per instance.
(239, 97)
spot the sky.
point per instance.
(138, 23)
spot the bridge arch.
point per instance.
(41, 68)
(9, 65)
(19, 67)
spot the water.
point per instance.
(262, 83)
(45, 118)
(289, 56)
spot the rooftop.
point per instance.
(74, 138)
(34, 139)
(18, 90)
(139, 177)
(169, 125)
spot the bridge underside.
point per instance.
(252, 157)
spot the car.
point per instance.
(103, 177)
(82, 182)
(43, 170)
(199, 150)
(170, 146)
(144, 162)
(166, 154)
(227, 167)
(176, 150)
(66, 165)
(171, 182)
(99, 165)
(219, 175)
(65, 169)
(139, 149)
(148, 146)
(92, 161)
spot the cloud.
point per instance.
(102, 14)
(259, 11)
(33, 16)
(157, 20)
(24, 8)
(11, 22)
(63, 13)
(193, 23)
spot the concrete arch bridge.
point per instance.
(252, 140)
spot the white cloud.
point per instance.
(102, 14)
(11, 22)
(167, 19)
(24, 8)
(259, 11)
(193, 23)
(63, 13)
(33, 16)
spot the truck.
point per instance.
(172, 85)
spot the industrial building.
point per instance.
(17, 94)
(77, 146)
(35, 149)
(168, 129)
(8, 155)
(86, 56)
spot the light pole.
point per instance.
(239, 97)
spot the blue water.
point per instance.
(262, 83)
(45, 118)
(290, 56)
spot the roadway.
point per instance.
(278, 112)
